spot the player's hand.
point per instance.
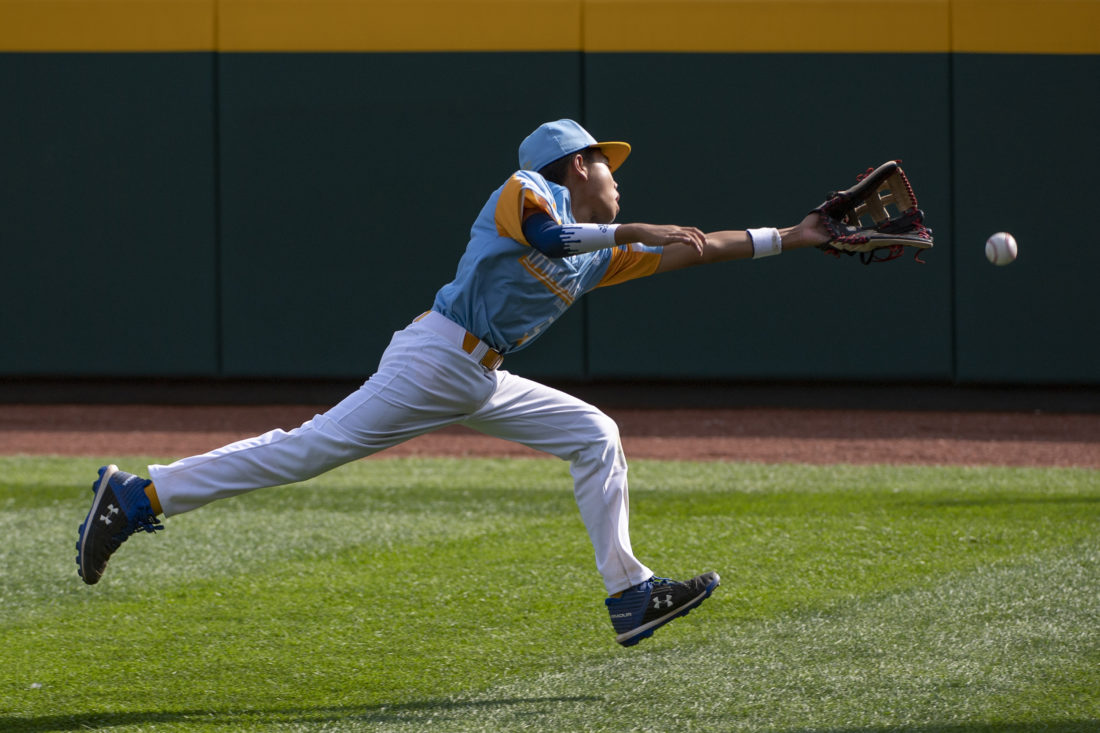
(811, 231)
(662, 235)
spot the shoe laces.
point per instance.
(655, 581)
(148, 523)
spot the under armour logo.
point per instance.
(111, 511)
(667, 600)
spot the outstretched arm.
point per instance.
(562, 240)
(663, 235)
(736, 245)
(681, 246)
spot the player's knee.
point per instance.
(600, 439)
(602, 427)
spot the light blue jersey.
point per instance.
(506, 292)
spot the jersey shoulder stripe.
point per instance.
(518, 195)
(630, 262)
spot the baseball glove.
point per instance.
(860, 220)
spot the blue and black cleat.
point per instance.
(639, 611)
(119, 508)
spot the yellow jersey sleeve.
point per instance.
(515, 203)
(630, 262)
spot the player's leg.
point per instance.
(422, 384)
(564, 426)
(552, 421)
(275, 458)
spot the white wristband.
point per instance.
(765, 242)
(587, 237)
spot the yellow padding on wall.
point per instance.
(107, 25)
(400, 25)
(1026, 26)
(767, 25)
(721, 26)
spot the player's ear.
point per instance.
(578, 167)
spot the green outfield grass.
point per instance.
(460, 595)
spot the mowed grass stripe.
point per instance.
(402, 593)
(1011, 644)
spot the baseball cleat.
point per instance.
(119, 508)
(639, 611)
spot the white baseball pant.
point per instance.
(425, 381)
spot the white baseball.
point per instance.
(1000, 249)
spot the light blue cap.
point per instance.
(552, 140)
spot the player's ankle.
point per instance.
(154, 500)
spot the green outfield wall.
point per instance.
(269, 188)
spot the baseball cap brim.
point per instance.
(616, 153)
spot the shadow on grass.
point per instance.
(429, 711)
(1051, 726)
(382, 713)
(1005, 501)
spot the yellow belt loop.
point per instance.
(470, 342)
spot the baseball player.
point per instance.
(543, 239)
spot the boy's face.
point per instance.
(596, 196)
